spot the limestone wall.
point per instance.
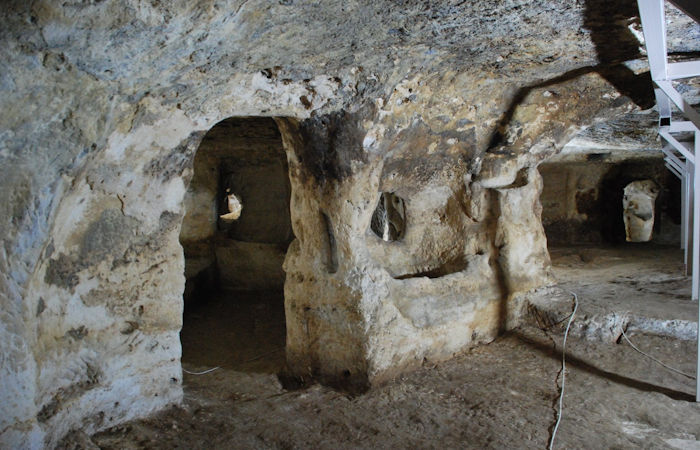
(104, 104)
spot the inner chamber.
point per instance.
(235, 235)
(582, 201)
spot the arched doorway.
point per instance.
(235, 235)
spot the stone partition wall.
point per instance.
(449, 107)
(361, 309)
(103, 306)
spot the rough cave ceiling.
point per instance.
(451, 105)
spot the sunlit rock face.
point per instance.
(450, 107)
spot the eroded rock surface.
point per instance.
(450, 106)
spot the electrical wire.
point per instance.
(244, 362)
(654, 359)
(563, 373)
(563, 368)
(200, 373)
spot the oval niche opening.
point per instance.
(389, 218)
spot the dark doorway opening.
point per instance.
(235, 235)
(582, 201)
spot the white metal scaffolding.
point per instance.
(679, 152)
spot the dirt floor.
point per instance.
(241, 331)
(502, 395)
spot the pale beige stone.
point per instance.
(638, 210)
(104, 106)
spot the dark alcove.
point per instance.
(235, 235)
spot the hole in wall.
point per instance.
(389, 218)
(597, 156)
(235, 235)
(449, 267)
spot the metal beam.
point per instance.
(654, 27)
(679, 101)
(669, 155)
(663, 104)
(677, 170)
(673, 170)
(689, 220)
(662, 73)
(696, 263)
(684, 216)
(685, 151)
(696, 232)
(684, 69)
(681, 127)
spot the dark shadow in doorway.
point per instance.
(239, 330)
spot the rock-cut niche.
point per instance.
(235, 235)
(389, 218)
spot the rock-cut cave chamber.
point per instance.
(334, 192)
(234, 288)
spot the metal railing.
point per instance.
(679, 155)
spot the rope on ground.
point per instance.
(200, 373)
(654, 359)
(563, 373)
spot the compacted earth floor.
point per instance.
(234, 330)
(501, 395)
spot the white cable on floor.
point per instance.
(654, 359)
(200, 373)
(563, 372)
